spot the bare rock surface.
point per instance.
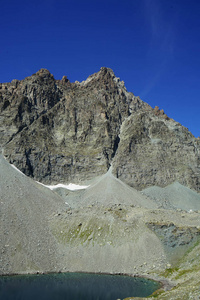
(156, 151)
(57, 131)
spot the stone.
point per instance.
(56, 131)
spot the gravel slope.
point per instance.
(25, 206)
(111, 228)
(174, 196)
(107, 190)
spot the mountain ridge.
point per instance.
(96, 132)
(58, 131)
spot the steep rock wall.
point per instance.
(57, 131)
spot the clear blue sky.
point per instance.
(153, 45)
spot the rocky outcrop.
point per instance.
(57, 131)
(154, 150)
(172, 236)
(23, 102)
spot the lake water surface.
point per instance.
(74, 286)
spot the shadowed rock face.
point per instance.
(57, 131)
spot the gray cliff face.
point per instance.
(57, 131)
(157, 151)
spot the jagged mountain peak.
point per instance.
(43, 71)
(104, 71)
(42, 75)
(106, 76)
(57, 131)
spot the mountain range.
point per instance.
(93, 179)
(56, 131)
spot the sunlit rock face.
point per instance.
(56, 131)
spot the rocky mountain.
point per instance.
(57, 131)
(97, 133)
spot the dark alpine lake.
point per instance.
(74, 286)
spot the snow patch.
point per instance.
(70, 186)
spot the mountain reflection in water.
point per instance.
(74, 286)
